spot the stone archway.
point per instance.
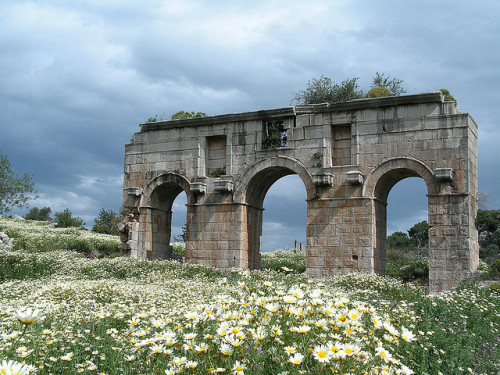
(453, 250)
(160, 195)
(252, 189)
(349, 155)
(378, 185)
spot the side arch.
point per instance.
(377, 186)
(388, 173)
(168, 179)
(159, 196)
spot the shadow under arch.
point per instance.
(251, 189)
(160, 195)
(377, 186)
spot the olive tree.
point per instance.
(15, 190)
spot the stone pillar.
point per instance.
(254, 232)
(161, 231)
(217, 234)
(379, 237)
(453, 252)
(338, 236)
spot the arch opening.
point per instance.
(394, 188)
(284, 215)
(164, 198)
(258, 188)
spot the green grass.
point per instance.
(39, 236)
(282, 260)
(111, 312)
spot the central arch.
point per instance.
(252, 189)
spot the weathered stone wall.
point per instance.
(348, 155)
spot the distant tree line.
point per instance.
(488, 227)
(487, 224)
(106, 222)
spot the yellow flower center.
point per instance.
(322, 354)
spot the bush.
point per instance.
(178, 248)
(282, 260)
(65, 219)
(406, 265)
(494, 270)
(448, 97)
(495, 287)
(378, 92)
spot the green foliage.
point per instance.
(378, 92)
(495, 288)
(324, 90)
(283, 260)
(394, 86)
(406, 264)
(15, 190)
(399, 240)
(109, 314)
(493, 271)
(39, 214)
(182, 237)
(107, 222)
(418, 237)
(419, 234)
(276, 136)
(178, 249)
(22, 266)
(489, 253)
(487, 220)
(65, 219)
(448, 97)
(38, 236)
(488, 226)
(181, 115)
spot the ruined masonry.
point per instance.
(348, 155)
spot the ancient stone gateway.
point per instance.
(348, 155)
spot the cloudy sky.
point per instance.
(77, 77)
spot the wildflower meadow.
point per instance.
(64, 312)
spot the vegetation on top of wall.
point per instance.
(378, 92)
(448, 97)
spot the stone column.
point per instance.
(217, 235)
(453, 248)
(339, 236)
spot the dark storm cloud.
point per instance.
(76, 78)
